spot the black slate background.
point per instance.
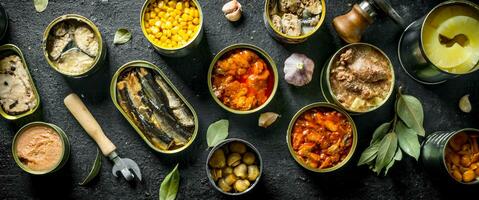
(282, 177)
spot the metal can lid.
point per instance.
(386, 7)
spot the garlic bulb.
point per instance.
(298, 69)
(232, 10)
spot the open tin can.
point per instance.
(100, 57)
(115, 98)
(411, 48)
(433, 154)
(278, 35)
(325, 76)
(226, 147)
(64, 155)
(34, 113)
(323, 105)
(261, 54)
(177, 51)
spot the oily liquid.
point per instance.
(451, 38)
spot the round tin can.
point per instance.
(262, 54)
(114, 98)
(102, 50)
(286, 38)
(65, 153)
(33, 114)
(433, 153)
(412, 55)
(321, 105)
(326, 85)
(179, 51)
(3, 22)
(226, 142)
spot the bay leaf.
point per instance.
(122, 36)
(369, 154)
(408, 140)
(169, 186)
(397, 157)
(95, 169)
(40, 5)
(217, 132)
(380, 132)
(390, 164)
(410, 111)
(386, 151)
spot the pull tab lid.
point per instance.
(386, 7)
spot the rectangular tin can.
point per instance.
(33, 114)
(114, 98)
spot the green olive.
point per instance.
(217, 160)
(227, 171)
(238, 147)
(253, 172)
(216, 174)
(222, 184)
(230, 179)
(249, 158)
(241, 171)
(234, 159)
(241, 185)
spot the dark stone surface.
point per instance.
(282, 178)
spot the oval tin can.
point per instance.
(102, 49)
(179, 51)
(412, 55)
(33, 114)
(433, 154)
(226, 142)
(286, 38)
(326, 85)
(262, 54)
(321, 105)
(65, 152)
(114, 98)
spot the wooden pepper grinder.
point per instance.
(352, 25)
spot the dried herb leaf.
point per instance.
(94, 170)
(217, 132)
(409, 109)
(397, 157)
(40, 5)
(267, 118)
(169, 186)
(386, 151)
(369, 154)
(408, 140)
(122, 36)
(380, 132)
(465, 104)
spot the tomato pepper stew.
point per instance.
(322, 137)
(242, 80)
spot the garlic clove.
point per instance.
(266, 119)
(232, 10)
(465, 104)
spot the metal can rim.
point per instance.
(301, 37)
(421, 42)
(17, 50)
(65, 146)
(326, 69)
(225, 142)
(113, 95)
(83, 19)
(262, 53)
(322, 105)
(143, 29)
